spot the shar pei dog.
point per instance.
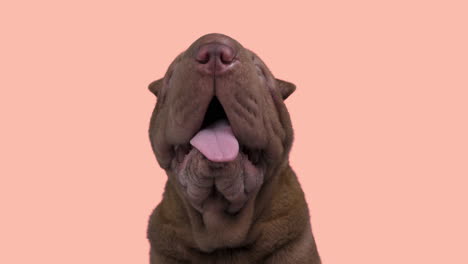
(222, 133)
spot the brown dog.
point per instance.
(221, 131)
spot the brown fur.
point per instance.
(272, 225)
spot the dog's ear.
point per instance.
(285, 88)
(155, 86)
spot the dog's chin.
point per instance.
(217, 187)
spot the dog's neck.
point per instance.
(214, 230)
(177, 229)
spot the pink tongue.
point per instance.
(217, 142)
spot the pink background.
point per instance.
(380, 115)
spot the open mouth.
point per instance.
(214, 113)
(215, 140)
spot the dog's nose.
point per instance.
(215, 58)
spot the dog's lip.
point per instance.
(253, 155)
(181, 151)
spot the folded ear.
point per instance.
(286, 88)
(155, 86)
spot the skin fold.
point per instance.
(249, 209)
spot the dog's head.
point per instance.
(220, 127)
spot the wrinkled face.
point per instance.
(220, 127)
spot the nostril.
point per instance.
(216, 51)
(226, 54)
(203, 56)
(215, 58)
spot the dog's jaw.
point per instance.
(219, 186)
